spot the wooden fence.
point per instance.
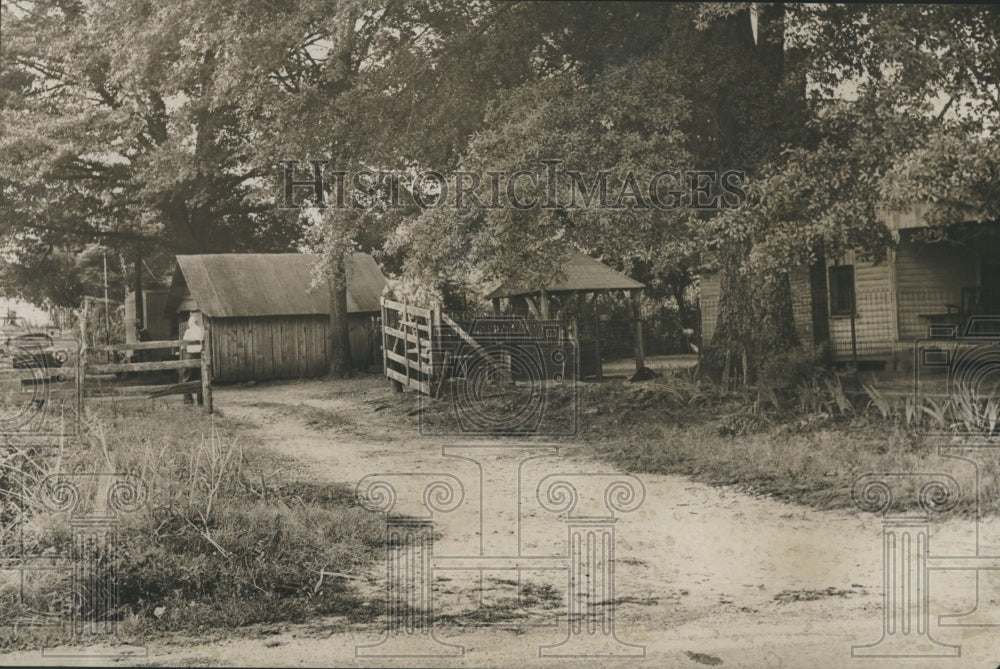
(91, 375)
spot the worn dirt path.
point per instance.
(705, 576)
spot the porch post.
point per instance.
(640, 354)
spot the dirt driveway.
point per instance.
(704, 576)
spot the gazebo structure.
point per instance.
(584, 281)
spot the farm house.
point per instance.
(919, 284)
(265, 321)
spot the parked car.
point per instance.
(33, 350)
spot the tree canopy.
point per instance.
(150, 129)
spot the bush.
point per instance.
(791, 368)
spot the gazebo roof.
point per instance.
(580, 273)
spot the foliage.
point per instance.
(118, 131)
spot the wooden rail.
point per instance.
(202, 388)
(142, 346)
(422, 348)
(126, 367)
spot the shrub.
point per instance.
(791, 368)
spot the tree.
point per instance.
(773, 104)
(403, 86)
(115, 133)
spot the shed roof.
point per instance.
(269, 284)
(580, 272)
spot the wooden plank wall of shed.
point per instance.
(281, 347)
(271, 347)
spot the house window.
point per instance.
(841, 290)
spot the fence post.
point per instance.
(385, 356)
(854, 340)
(182, 373)
(81, 362)
(206, 363)
(640, 350)
(405, 320)
(436, 363)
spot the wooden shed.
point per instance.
(265, 320)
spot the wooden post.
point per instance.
(140, 302)
(182, 355)
(437, 349)
(84, 315)
(544, 307)
(405, 327)
(206, 362)
(419, 357)
(573, 335)
(854, 340)
(594, 301)
(640, 355)
(81, 363)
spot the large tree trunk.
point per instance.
(340, 341)
(137, 287)
(755, 309)
(819, 297)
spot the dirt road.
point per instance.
(704, 576)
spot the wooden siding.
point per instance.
(281, 347)
(916, 279)
(711, 287)
(802, 306)
(364, 349)
(875, 324)
(929, 277)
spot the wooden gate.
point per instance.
(409, 344)
(422, 348)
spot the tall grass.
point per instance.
(806, 443)
(224, 539)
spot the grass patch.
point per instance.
(806, 443)
(810, 450)
(223, 541)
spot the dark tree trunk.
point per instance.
(340, 342)
(755, 309)
(818, 299)
(137, 286)
(774, 330)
